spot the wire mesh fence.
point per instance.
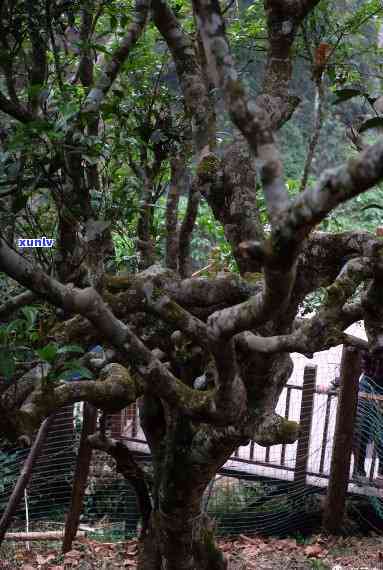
(273, 490)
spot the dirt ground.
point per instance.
(243, 552)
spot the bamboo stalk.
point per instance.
(202, 270)
(44, 535)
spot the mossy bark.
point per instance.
(178, 543)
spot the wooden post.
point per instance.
(115, 425)
(343, 439)
(25, 477)
(80, 477)
(307, 406)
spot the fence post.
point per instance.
(80, 478)
(305, 420)
(343, 439)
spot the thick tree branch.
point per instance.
(372, 303)
(318, 119)
(125, 294)
(132, 472)
(275, 430)
(323, 330)
(283, 19)
(188, 70)
(335, 186)
(86, 62)
(17, 111)
(161, 304)
(88, 303)
(16, 303)
(112, 68)
(263, 307)
(309, 208)
(187, 228)
(229, 186)
(177, 165)
(145, 245)
(39, 68)
(116, 389)
(252, 121)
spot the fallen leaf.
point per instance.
(249, 539)
(44, 559)
(290, 542)
(73, 554)
(313, 550)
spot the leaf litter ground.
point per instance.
(243, 553)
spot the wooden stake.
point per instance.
(80, 477)
(344, 431)
(307, 406)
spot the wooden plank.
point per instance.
(252, 445)
(307, 406)
(287, 414)
(261, 464)
(343, 440)
(135, 421)
(325, 433)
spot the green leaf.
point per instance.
(346, 94)
(15, 326)
(30, 314)
(70, 348)
(371, 124)
(113, 22)
(92, 160)
(82, 372)
(48, 353)
(101, 48)
(7, 364)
